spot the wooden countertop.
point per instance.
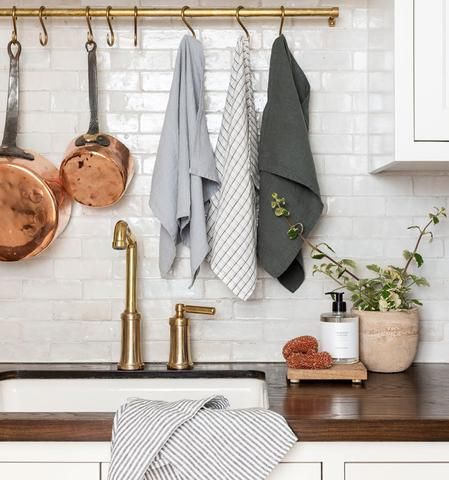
(409, 406)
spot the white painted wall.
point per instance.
(65, 305)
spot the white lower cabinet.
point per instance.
(305, 461)
(284, 471)
(49, 471)
(397, 471)
(300, 471)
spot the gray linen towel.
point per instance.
(196, 440)
(185, 176)
(232, 215)
(286, 167)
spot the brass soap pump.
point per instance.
(180, 356)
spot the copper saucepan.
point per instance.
(34, 208)
(97, 168)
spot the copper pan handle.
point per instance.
(91, 48)
(9, 147)
(92, 135)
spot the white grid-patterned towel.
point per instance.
(232, 215)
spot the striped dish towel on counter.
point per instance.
(196, 440)
(232, 214)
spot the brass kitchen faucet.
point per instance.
(131, 346)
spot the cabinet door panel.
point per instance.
(284, 471)
(396, 471)
(300, 471)
(431, 70)
(50, 471)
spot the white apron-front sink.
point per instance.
(107, 394)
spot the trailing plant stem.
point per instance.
(418, 241)
(325, 255)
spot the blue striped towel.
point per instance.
(196, 440)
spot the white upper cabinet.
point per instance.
(431, 71)
(418, 111)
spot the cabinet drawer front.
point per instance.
(396, 471)
(284, 471)
(300, 471)
(50, 471)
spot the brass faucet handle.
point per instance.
(181, 309)
(180, 356)
(199, 310)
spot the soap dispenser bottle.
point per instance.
(339, 332)
(180, 357)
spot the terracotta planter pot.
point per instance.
(388, 340)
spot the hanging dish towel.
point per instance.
(286, 167)
(232, 215)
(196, 440)
(185, 176)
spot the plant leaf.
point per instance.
(293, 233)
(407, 254)
(434, 217)
(327, 246)
(279, 211)
(374, 268)
(419, 260)
(348, 262)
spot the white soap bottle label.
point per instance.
(340, 339)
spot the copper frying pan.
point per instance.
(34, 209)
(97, 168)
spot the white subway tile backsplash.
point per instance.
(438, 185)
(50, 331)
(10, 289)
(81, 310)
(83, 269)
(18, 351)
(356, 206)
(140, 59)
(80, 352)
(52, 289)
(11, 332)
(65, 305)
(382, 185)
(88, 227)
(344, 82)
(25, 310)
(412, 205)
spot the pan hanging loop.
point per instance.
(135, 25)
(90, 33)
(186, 23)
(281, 26)
(43, 36)
(237, 16)
(14, 25)
(110, 37)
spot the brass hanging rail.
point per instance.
(330, 13)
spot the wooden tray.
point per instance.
(355, 372)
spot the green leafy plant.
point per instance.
(388, 288)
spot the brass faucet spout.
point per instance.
(122, 236)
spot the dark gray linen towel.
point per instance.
(286, 167)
